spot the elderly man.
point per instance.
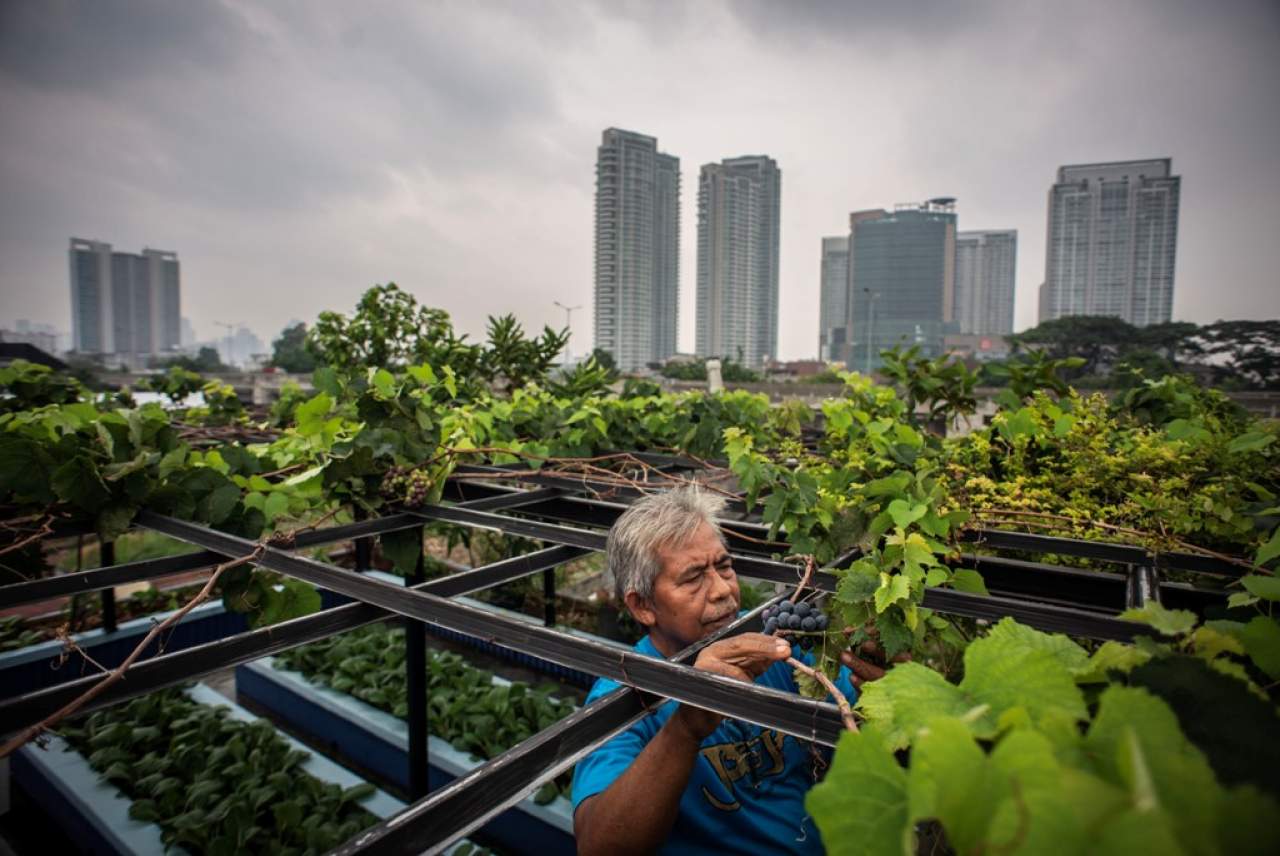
(682, 780)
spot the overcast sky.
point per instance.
(294, 154)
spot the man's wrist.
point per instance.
(683, 728)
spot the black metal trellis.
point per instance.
(569, 514)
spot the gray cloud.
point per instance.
(294, 153)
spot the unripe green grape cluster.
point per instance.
(409, 485)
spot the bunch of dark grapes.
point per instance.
(407, 484)
(802, 617)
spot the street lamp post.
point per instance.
(568, 324)
(871, 316)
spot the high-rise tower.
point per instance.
(125, 304)
(1112, 242)
(637, 249)
(834, 307)
(739, 213)
(985, 265)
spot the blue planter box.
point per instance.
(380, 743)
(36, 666)
(95, 815)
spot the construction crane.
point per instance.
(231, 339)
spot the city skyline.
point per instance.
(295, 158)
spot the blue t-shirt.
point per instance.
(746, 792)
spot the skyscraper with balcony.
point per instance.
(1112, 241)
(902, 278)
(739, 219)
(985, 265)
(124, 304)
(637, 254)
(834, 307)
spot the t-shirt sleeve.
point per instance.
(601, 768)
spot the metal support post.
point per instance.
(415, 664)
(107, 554)
(364, 546)
(549, 597)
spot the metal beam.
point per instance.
(167, 669)
(97, 579)
(772, 708)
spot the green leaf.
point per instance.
(144, 810)
(310, 416)
(1111, 656)
(1261, 639)
(359, 792)
(1004, 671)
(403, 548)
(1269, 550)
(969, 580)
(1240, 599)
(78, 482)
(1251, 442)
(1072, 657)
(861, 805)
(905, 513)
(893, 588)
(23, 469)
(950, 781)
(936, 577)
(1170, 622)
(384, 382)
(1235, 730)
(1135, 742)
(857, 585)
(906, 698)
(1267, 588)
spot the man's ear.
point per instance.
(641, 609)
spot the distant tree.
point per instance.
(289, 352)
(1249, 350)
(389, 329)
(730, 371)
(514, 356)
(1097, 339)
(1175, 341)
(604, 359)
(205, 361)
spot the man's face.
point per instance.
(695, 594)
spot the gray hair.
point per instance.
(654, 522)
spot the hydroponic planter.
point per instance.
(572, 676)
(95, 815)
(380, 743)
(36, 666)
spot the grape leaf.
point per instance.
(1170, 622)
(893, 587)
(967, 579)
(1261, 638)
(1235, 732)
(1074, 658)
(1267, 588)
(861, 805)
(905, 699)
(1003, 672)
(950, 781)
(1111, 656)
(1135, 742)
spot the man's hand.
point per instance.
(744, 657)
(868, 664)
